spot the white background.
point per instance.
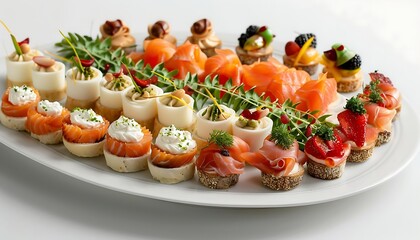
(39, 203)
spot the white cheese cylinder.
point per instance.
(20, 73)
(87, 90)
(181, 117)
(254, 137)
(204, 126)
(142, 110)
(110, 98)
(49, 81)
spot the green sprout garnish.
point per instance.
(281, 137)
(355, 105)
(324, 131)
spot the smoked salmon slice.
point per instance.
(316, 95)
(76, 134)
(224, 64)
(188, 58)
(212, 161)
(380, 117)
(40, 124)
(273, 160)
(17, 110)
(157, 51)
(166, 160)
(129, 149)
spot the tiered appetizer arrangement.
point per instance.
(175, 111)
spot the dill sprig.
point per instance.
(281, 137)
(221, 138)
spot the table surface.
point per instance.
(37, 202)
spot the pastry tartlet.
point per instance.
(128, 146)
(255, 45)
(302, 54)
(48, 78)
(15, 104)
(83, 85)
(109, 105)
(279, 160)
(45, 121)
(120, 35)
(172, 159)
(203, 35)
(84, 133)
(19, 64)
(253, 127)
(160, 29)
(219, 163)
(344, 65)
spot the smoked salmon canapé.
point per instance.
(84, 133)
(173, 156)
(15, 104)
(355, 130)
(226, 65)
(219, 163)
(45, 121)
(327, 153)
(127, 146)
(279, 160)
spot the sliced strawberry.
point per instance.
(379, 76)
(354, 126)
(316, 147)
(335, 146)
(291, 48)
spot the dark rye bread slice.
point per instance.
(383, 137)
(324, 172)
(358, 156)
(248, 58)
(215, 181)
(284, 182)
(348, 84)
(311, 69)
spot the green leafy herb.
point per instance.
(325, 131)
(221, 138)
(375, 94)
(14, 41)
(355, 105)
(281, 137)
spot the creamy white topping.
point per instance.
(23, 57)
(175, 141)
(48, 108)
(85, 118)
(294, 170)
(21, 95)
(126, 130)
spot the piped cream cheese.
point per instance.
(126, 130)
(21, 95)
(85, 118)
(175, 141)
(48, 108)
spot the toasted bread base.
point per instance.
(172, 175)
(358, 156)
(311, 69)
(15, 123)
(383, 137)
(249, 59)
(348, 84)
(110, 114)
(53, 95)
(126, 164)
(72, 103)
(10, 83)
(50, 138)
(283, 183)
(324, 172)
(214, 181)
(85, 149)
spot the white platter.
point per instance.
(387, 161)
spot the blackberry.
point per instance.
(302, 38)
(242, 39)
(225, 152)
(352, 64)
(251, 30)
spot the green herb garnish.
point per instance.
(281, 137)
(325, 131)
(221, 138)
(355, 105)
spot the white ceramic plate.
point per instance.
(387, 161)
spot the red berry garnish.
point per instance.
(141, 83)
(340, 48)
(118, 74)
(284, 119)
(25, 41)
(308, 131)
(354, 126)
(256, 115)
(375, 76)
(246, 114)
(291, 48)
(316, 147)
(107, 67)
(331, 55)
